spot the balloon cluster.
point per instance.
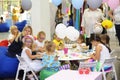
(70, 32)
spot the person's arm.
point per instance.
(32, 56)
(83, 23)
(96, 56)
(11, 38)
(110, 13)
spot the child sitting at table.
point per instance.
(105, 39)
(33, 61)
(81, 40)
(49, 59)
(39, 43)
(58, 42)
(101, 51)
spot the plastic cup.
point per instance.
(65, 50)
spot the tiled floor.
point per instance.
(113, 43)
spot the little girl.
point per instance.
(14, 32)
(81, 40)
(101, 51)
(58, 42)
(49, 60)
(28, 42)
(40, 42)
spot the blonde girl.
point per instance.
(16, 46)
(40, 41)
(14, 32)
(28, 42)
(49, 59)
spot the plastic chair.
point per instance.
(23, 65)
(88, 65)
(112, 52)
(109, 62)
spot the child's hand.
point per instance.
(56, 58)
(39, 56)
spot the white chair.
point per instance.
(23, 65)
(88, 65)
(112, 52)
(109, 62)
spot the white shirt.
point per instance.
(116, 14)
(11, 36)
(104, 54)
(89, 20)
(39, 44)
(34, 64)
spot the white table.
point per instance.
(74, 75)
(72, 56)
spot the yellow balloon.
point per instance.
(107, 24)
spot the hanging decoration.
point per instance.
(26, 4)
(77, 4)
(77, 20)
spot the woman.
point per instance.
(16, 46)
(115, 16)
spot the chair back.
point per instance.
(87, 64)
(109, 62)
(21, 60)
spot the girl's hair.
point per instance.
(50, 46)
(95, 37)
(106, 38)
(26, 28)
(82, 38)
(22, 34)
(12, 28)
(28, 37)
(41, 32)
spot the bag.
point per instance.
(98, 28)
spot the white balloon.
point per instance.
(60, 27)
(26, 4)
(61, 34)
(72, 33)
(98, 29)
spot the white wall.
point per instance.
(40, 16)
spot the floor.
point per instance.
(113, 44)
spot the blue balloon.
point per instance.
(56, 2)
(94, 4)
(77, 4)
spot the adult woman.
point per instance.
(90, 18)
(16, 46)
(115, 16)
